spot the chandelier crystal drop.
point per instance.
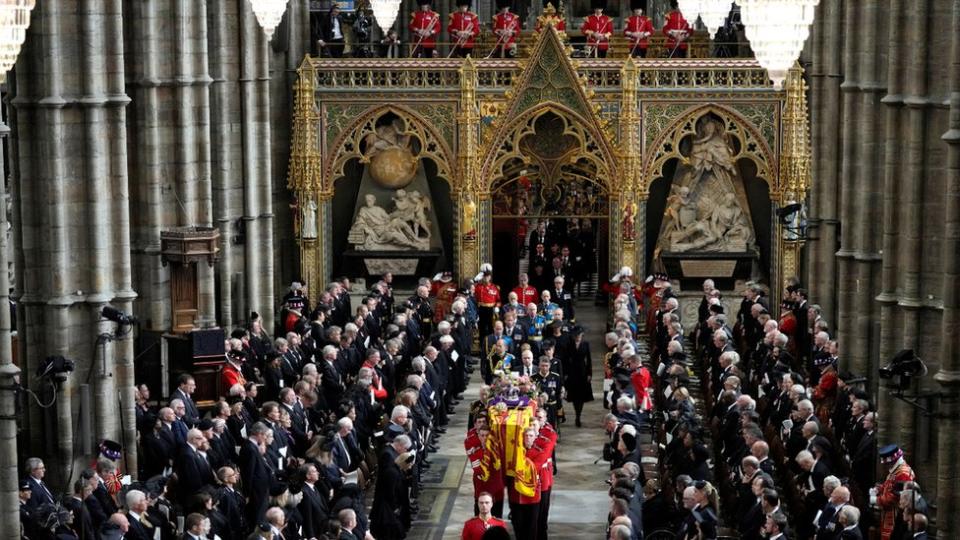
(777, 30)
(269, 13)
(14, 20)
(712, 12)
(385, 11)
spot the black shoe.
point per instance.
(440, 430)
(451, 412)
(578, 422)
(459, 396)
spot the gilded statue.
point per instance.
(468, 227)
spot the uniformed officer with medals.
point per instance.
(499, 359)
(548, 382)
(533, 324)
(488, 299)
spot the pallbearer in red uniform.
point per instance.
(639, 28)
(599, 29)
(677, 30)
(424, 27)
(474, 528)
(487, 471)
(506, 28)
(464, 27)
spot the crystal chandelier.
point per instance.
(777, 30)
(385, 11)
(269, 13)
(711, 12)
(14, 20)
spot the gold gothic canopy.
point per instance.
(624, 123)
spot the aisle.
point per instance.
(579, 505)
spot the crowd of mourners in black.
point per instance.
(350, 403)
(782, 443)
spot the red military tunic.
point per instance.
(547, 440)
(600, 28)
(488, 295)
(888, 498)
(445, 292)
(675, 21)
(493, 484)
(526, 295)
(474, 528)
(509, 23)
(230, 376)
(425, 20)
(639, 23)
(463, 22)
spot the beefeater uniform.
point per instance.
(888, 496)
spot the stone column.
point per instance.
(893, 101)
(826, 99)
(948, 451)
(846, 314)
(9, 466)
(72, 218)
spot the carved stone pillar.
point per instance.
(470, 194)
(948, 449)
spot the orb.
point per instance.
(393, 168)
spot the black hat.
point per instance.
(278, 489)
(598, 4)
(264, 526)
(716, 309)
(502, 4)
(424, 2)
(577, 330)
(205, 424)
(238, 333)
(623, 379)
(463, 3)
(673, 4)
(638, 4)
(25, 485)
(236, 355)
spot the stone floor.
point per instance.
(579, 505)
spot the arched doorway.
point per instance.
(553, 178)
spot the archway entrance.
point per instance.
(549, 208)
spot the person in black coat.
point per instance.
(255, 472)
(192, 469)
(231, 503)
(578, 373)
(389, 516)
(314, 507)
(82, 521)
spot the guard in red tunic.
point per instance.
(474, 528)
(677, 30)
(464, 27)
(888, 493)
(488, 299)
(544, 445)
(525, 509)
(599, 29)
(487, 476)
(424, 27)
(639, 28)
(525, 292)
(506, 28)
